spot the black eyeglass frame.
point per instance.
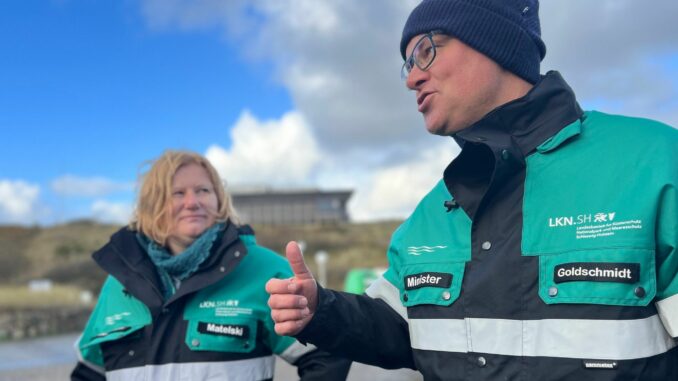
(411, 60)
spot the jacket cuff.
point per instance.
(320, 318)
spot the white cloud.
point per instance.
(341, 67)
(111, 212)
(394, 191)
(19, 202)
(319, 17)
(191, 14)
(70, 185)
(283, 153)
(616, 53)
(272, 152)
(345, 79)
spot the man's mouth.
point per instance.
(421, 99)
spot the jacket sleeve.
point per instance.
(312, 364)
(84, 373)
(320, 365)
(361, 328)
(667, 259)
(90, 361)
(372, 328)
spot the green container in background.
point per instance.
(359, 279)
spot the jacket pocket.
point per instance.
(612, 276)
(221, 334)
(431, 282)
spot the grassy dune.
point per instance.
(62, 253)
(348, 245)
(21, 296)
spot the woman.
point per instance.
(185, 296)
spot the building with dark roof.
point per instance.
(291, 206)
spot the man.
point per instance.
(548, 249)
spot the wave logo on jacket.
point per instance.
(419, 250)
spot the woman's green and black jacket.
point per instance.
(216, 325)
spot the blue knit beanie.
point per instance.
(506, 31)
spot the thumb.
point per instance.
(296, 260)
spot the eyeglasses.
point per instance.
(422, 55)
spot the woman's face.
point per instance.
(194, 206)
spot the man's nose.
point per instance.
(415, 78)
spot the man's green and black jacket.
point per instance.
(547, 252)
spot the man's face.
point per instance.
(458, 89)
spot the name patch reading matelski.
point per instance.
(241, 331)
(597, 272)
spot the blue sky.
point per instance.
(88, 90)
(274, 92)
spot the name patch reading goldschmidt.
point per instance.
(597, 272)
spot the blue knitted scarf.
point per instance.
(178, 267)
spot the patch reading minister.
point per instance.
(597, 272)
(240, 331)
(420, 280)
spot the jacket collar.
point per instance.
(226, 253)
(524, 123)
(494, 148)
(124, 258)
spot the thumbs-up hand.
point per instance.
(293, 301)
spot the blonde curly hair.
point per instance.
(153, 211)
